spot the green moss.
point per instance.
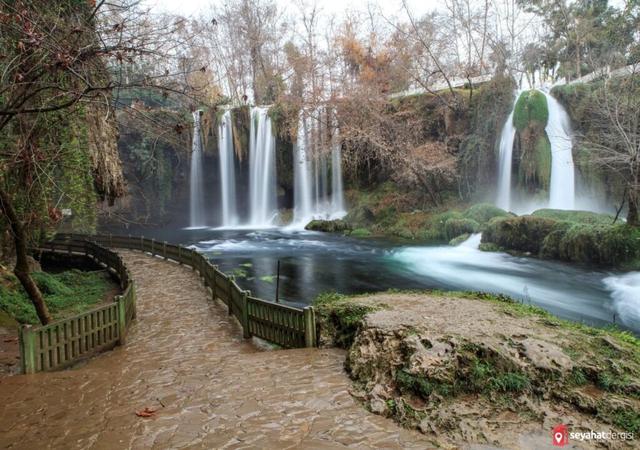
(459, 240)
(360, 232)
(455, 227)
(524, 233)
(328, 226)
(339, 317)
(530, 109)
(65, 294)
(484, 212)
(587, 217)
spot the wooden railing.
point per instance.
(284, 325)
(64, 342)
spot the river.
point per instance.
(312, 263)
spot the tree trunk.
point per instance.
(632, 214)
(21, 269)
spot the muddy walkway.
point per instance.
(186, 359)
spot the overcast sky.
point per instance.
(389, 7)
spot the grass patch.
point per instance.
(66, 293)
(360, 232)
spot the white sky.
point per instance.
(389, 7)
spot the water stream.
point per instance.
(263, 207)
(226, 157)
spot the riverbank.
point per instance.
(468, 368)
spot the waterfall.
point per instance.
(562, 185)
(302, 211)
(315, 197)
(196, 187)
(227, 171)
(262, 170)
(504, 170)
(337, 193)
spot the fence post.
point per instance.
(164, 249)
(122, 320)
(230, 294)
(309, 326)
(110, 240)
(27, 340)
(180, 254)
(134, 298)
(245, 316)
(213, 283)
(153, 241)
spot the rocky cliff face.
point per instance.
(468, 370)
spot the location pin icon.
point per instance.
(558, 436)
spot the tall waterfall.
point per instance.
(562, 184)
(505, 164)
(227, 171)
(314, 196)
(263, 206)
(196, 181)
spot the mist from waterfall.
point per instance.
(196, 181)
(315, 197)
(263, 208)
(562, 183)
(226, 156)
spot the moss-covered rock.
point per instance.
(459, 240)
(484, 212)
(578, 236)
(360, 216)
(328, 226)
(575, 216)
(455, 227)
(531, 108)
(360, 232)
(524, 233)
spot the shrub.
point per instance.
(524, 233)
(484, 212)
(530, 109)
(455, 227)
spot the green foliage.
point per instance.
(360, 232)
(340, 317)
(65, 294)
(459, 240)
(524, 233)
(484, 212)
(587, 217)
(455, 227)
(531, 110)
(626, 418)
(329, 226)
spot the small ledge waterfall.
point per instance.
(226, 156)
(562, 181)
(196, 181)
(263, 207)
(314, 196)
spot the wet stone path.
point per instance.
(186, 358)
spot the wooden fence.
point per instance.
(64, 342)
(284, 325)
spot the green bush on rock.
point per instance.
(484, 212)
(328, 226)
(524, 233)
(456, 227)
(531, 108)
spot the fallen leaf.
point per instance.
(147, 412)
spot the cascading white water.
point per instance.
(302, 211)
(227, 171)
(504, 170)
(196, 182)
(262, 170)
(312, 198)
(337, 193)
(562, 184)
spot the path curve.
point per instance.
(218, 390)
